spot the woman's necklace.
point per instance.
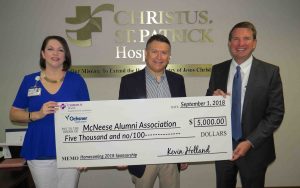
(44, 76)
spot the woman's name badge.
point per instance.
(35, 91)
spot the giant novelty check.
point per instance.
(143, 131)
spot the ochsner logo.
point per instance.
(76, 118)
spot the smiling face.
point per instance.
(54, 54)
(157, 56)
(242, 44)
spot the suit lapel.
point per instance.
(224, 72)
(140, 88)
(250, 88)
(170, 82)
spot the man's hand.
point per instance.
(241, 150)
(220, 92)
(123, 167)
(183, 166)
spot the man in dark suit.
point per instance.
(154, 81)
(261, 109)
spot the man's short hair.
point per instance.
(245, 24)
(158, 37)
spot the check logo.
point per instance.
(93, 24)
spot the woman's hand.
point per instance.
(48, 108)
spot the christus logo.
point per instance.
(89, 23)
(76, 118)
(62, 106)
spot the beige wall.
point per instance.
(24, 24)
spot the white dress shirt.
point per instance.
(245, 71)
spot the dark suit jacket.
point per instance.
(263, 108)
(133, 86)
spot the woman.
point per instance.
(36, 103)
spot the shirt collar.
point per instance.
(245, 65)
(149, 75)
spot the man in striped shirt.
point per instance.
(154, 81)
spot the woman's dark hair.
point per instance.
(68, 61)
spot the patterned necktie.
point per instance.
(236, 105)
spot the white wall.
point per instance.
(24, 24)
